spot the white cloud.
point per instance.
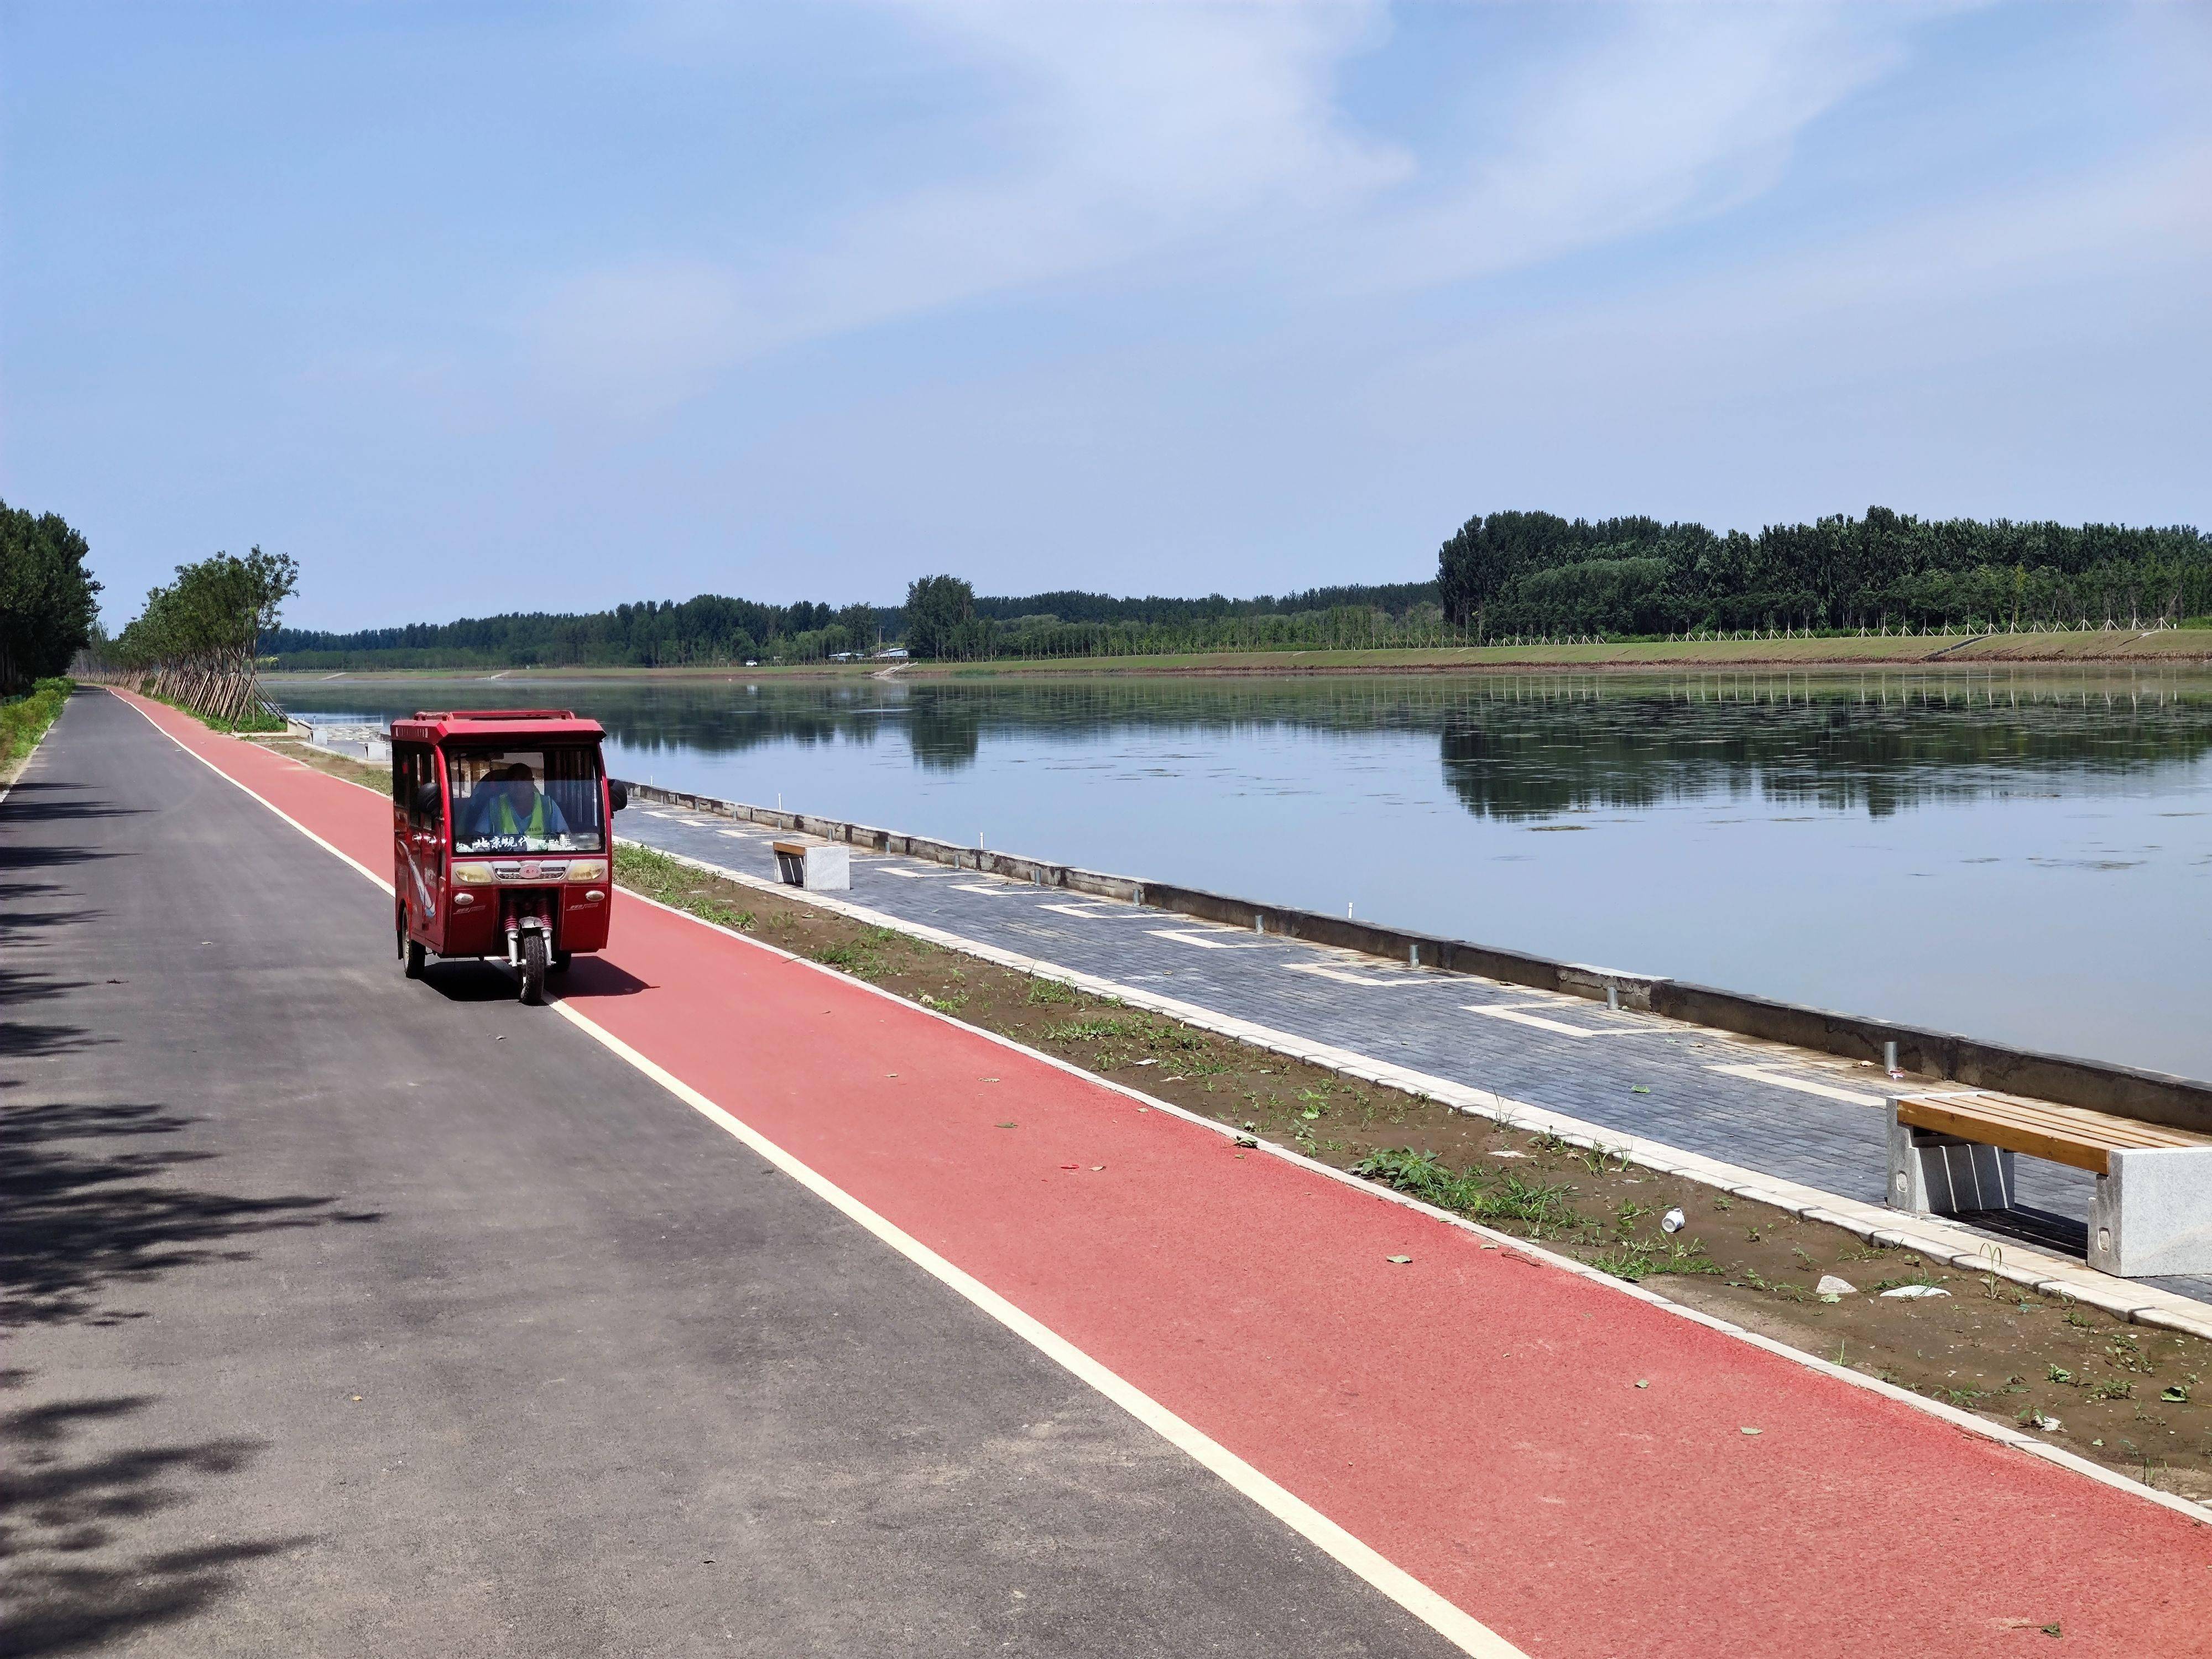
(1683, 113)
(1144, 142)
(1137, 129)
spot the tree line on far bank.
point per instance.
(48, 600)
(715, 630)
(651, 633)
(1510, 576)
(1519, 574)
(1522, 575)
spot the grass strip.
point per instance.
(263, 721)
(2135, 1399)
(24, 720)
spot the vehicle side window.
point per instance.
(413, 766)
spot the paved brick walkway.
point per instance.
(1787, 1112)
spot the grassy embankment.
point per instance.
(24, 720)
(258, 723)
(2163, 645)
(2176, 646)
(2134, 1398)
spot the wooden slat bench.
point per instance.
(1952, 1150)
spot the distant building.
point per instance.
(891, 654)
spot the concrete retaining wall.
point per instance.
(2151, 1097)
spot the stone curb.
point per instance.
(2154, 1097)
(1954, 1247)
(1986, 1428)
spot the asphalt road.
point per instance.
(353, 1315)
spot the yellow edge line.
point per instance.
(1465, 1632)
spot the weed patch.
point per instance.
(1735, 1258)
(24, 720)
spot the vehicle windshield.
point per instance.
(524, 800)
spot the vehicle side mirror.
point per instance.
(617, 794)
(426, 802)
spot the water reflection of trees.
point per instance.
(1510, 746)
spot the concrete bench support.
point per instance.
(2152, 1214)
(814, 865)
(1932, 1174)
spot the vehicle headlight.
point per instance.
(473, 875)
(587, 870)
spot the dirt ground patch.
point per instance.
(2133, 1397)
(371, 775)
(2127, 1396)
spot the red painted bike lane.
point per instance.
(1472, 1414)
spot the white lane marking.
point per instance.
(1399, 981)
(1957, 1418)
(1442, 1616)
(696, 824)
(1447, 1619)
(1515, 1113)
(739, 835)
(1184, 936)
(263, 799)
(991, 890)
(1099, 912)
(917, 875)
(1517, 1013)
(655, 812)
(1804, 1086)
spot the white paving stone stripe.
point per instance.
(1188, 936)
(1802, 1086)
(1519, 1014)
(1953, 1246)
(1984, 1427)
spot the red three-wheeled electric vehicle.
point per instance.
(501, 838)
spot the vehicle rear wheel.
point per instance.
(411, 952)
(534, 962)
(560, 960)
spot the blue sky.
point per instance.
(491, 307)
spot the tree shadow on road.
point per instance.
(21, 908)
(92, 1200)
(52, 802)
(87, 1205)
(73, 1496)
(31, 1039)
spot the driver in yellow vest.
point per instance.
(513, 804)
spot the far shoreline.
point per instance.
(2174, 648)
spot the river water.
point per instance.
(2022, 856)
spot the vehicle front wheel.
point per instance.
(410, 952)
(534, 962)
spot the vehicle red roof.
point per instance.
(437, 726)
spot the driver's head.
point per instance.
(515, 778)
